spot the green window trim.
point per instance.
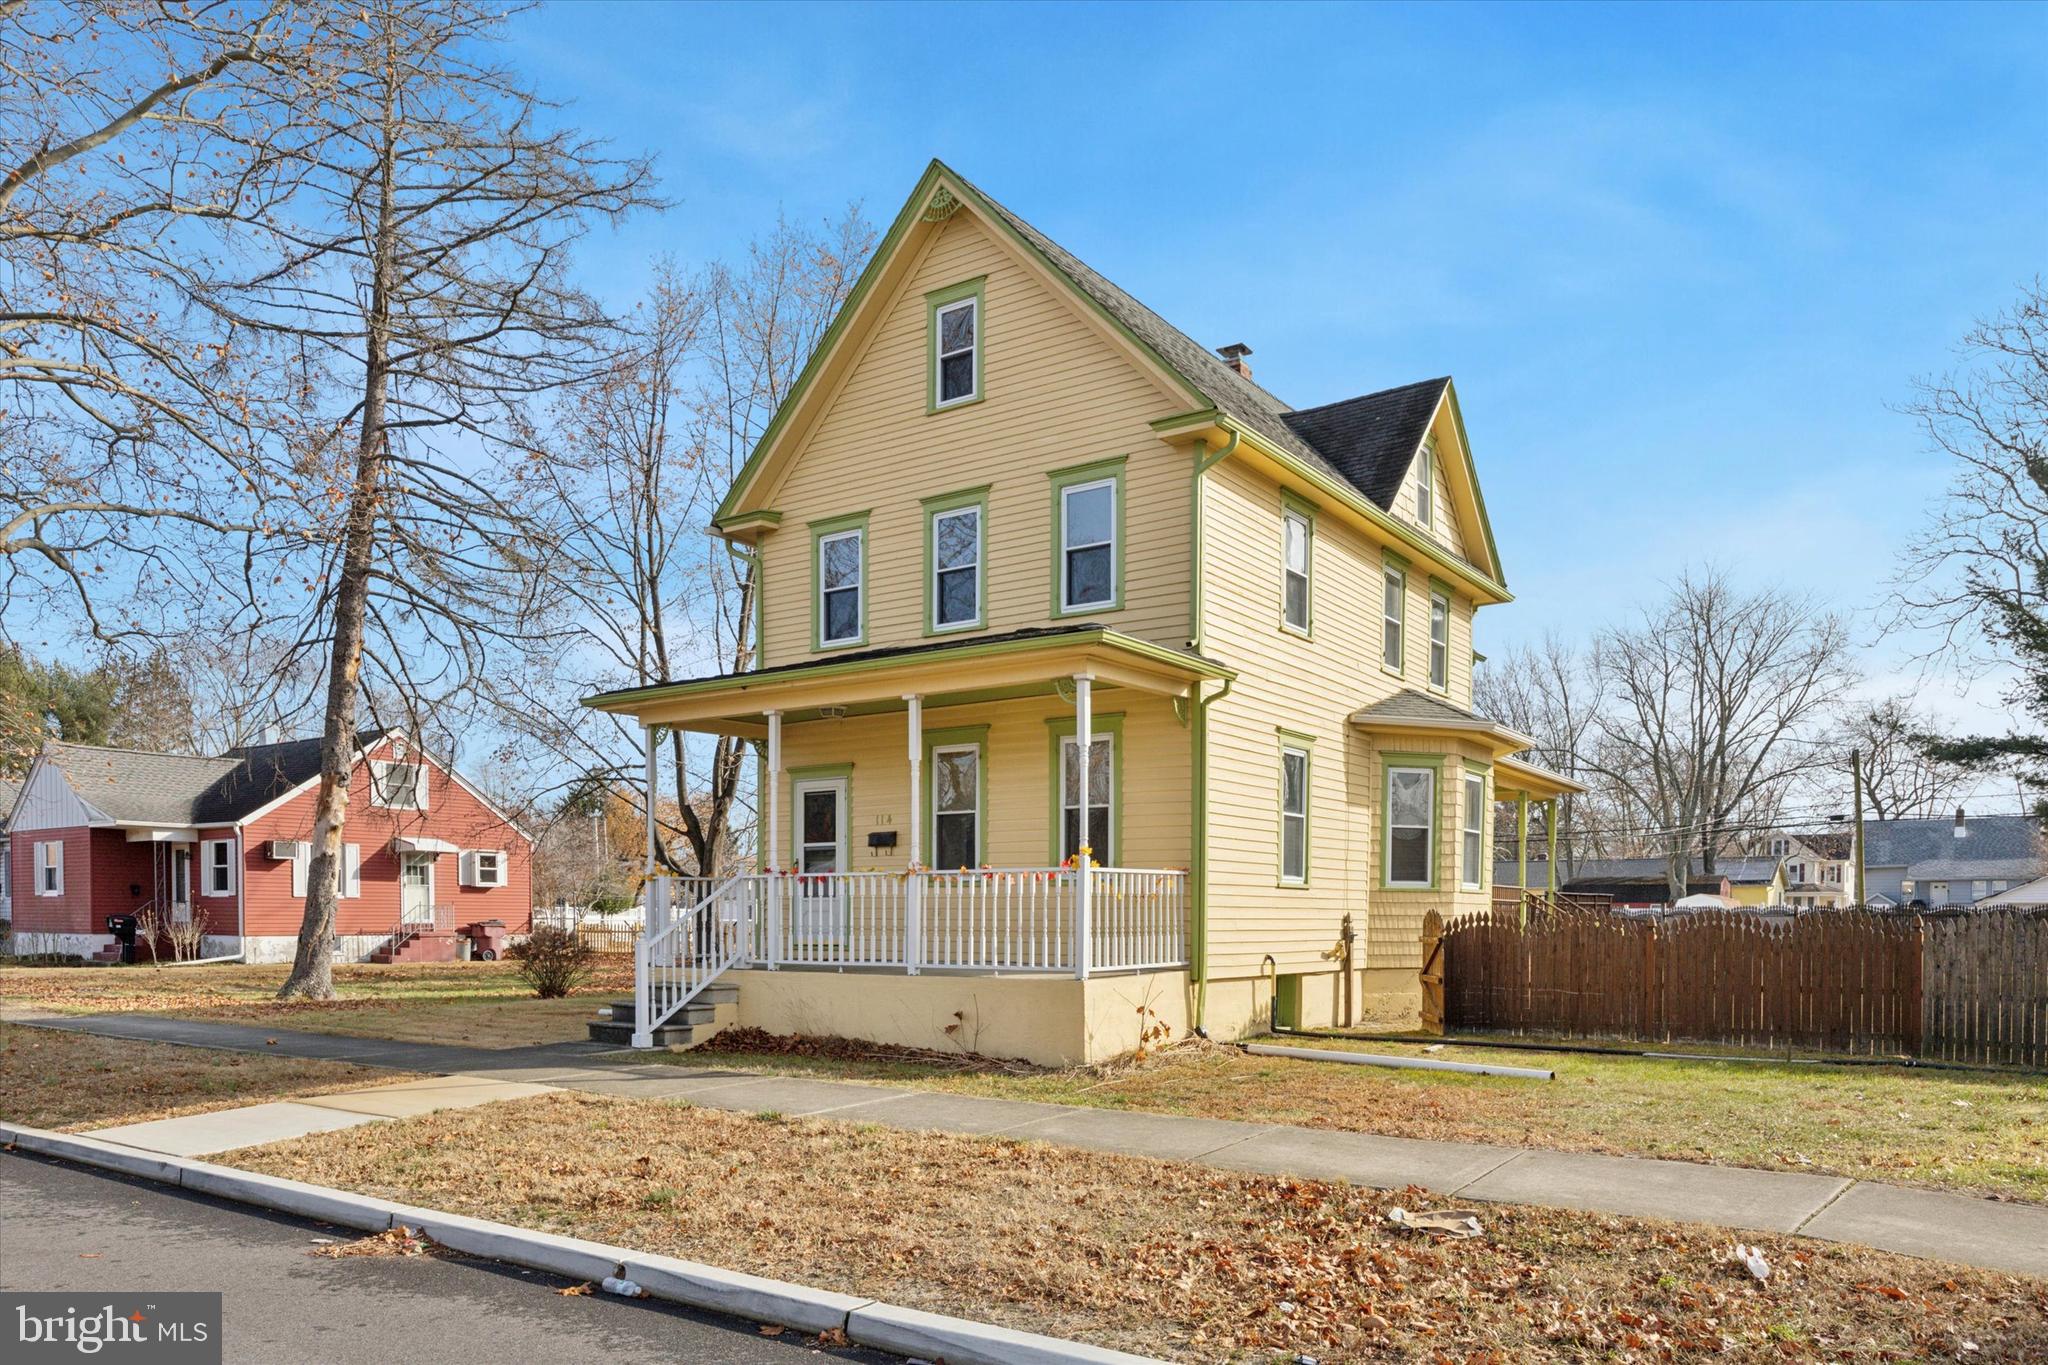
(1483, 772)
(1109, 471)
(958, 736)
(934, 508)
(1436, 597)
(1293, 505)
(1061, 729)
(1435, 764)
(933, 302)
(1293, 742)
(1393, 566)
(820, 532)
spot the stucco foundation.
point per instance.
(1051, 1020)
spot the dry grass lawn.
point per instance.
(1979, 1131)
(67, 1081)
(1165, 1258)
(472, 1004)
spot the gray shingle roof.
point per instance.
(137, 785)
(1739, 871)
(2005, 839)
(1368, 442)
(182, 790)
(1410, 705)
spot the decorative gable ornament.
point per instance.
(942, 206)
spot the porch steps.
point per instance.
(431, 946)
(715, 1009)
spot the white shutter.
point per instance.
(466, 869)
(351, 869)
(299, 864)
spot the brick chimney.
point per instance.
(1234, 356)
(1962, 831)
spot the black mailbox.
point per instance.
(882, 838)
(123, 928)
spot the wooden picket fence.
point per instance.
(1971, 987)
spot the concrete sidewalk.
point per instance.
(252, 1125)
(1915, 1222)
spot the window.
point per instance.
(1392, 610)
(954, 336)
(956, 805)
(1293, 815)
(1294, 550)
(352, 869)
(1101, 798)
(398, 786)
(302, 862)
(482, 867)
(1411, 827)
(217, 867)
(1439, 641)
(50, 869)
(1088, 522)
(1474, 849)
(958, 373)
(841, 567)
(956, 553)
(1425, 486)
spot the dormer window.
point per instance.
(1425, 486)
(955, 345)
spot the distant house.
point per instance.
(9, 790)
(2031, 893)
(1819, 867)
(1932, 863)
(1644, 883)
(226, 841)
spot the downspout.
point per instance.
(1198, 853)
(1198, 860)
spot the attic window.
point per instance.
(955, 345)
(398, 786)
(1425, 486)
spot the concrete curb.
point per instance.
(884, 1327)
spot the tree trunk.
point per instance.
(312, 975)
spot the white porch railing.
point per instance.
(990, 920)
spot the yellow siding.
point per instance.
(1018, 755)
(1443, 527)
(1312, 686)
(1058, 394)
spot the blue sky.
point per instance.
(1680, 259)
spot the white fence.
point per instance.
(1015, 919)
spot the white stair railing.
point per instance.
(694, 948)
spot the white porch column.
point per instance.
(654, 926)
(913, 883)
(1084, 748)
(771, 849)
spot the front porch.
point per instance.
(966, 810)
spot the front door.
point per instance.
(819, 911)
(416, 888)
(181, 886)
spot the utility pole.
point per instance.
(1856, 845)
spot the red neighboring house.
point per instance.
(227, 841)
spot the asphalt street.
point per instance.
(67, 1228)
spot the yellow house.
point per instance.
(1098, 688)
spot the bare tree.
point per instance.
(422, 292)
(128, 414)
(1980, 571)
(643, 454)
(1716, 696)
(1900, 778)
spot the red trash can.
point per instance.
(489, 937)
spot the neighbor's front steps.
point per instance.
(1912, 1222)
(715, 1009)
